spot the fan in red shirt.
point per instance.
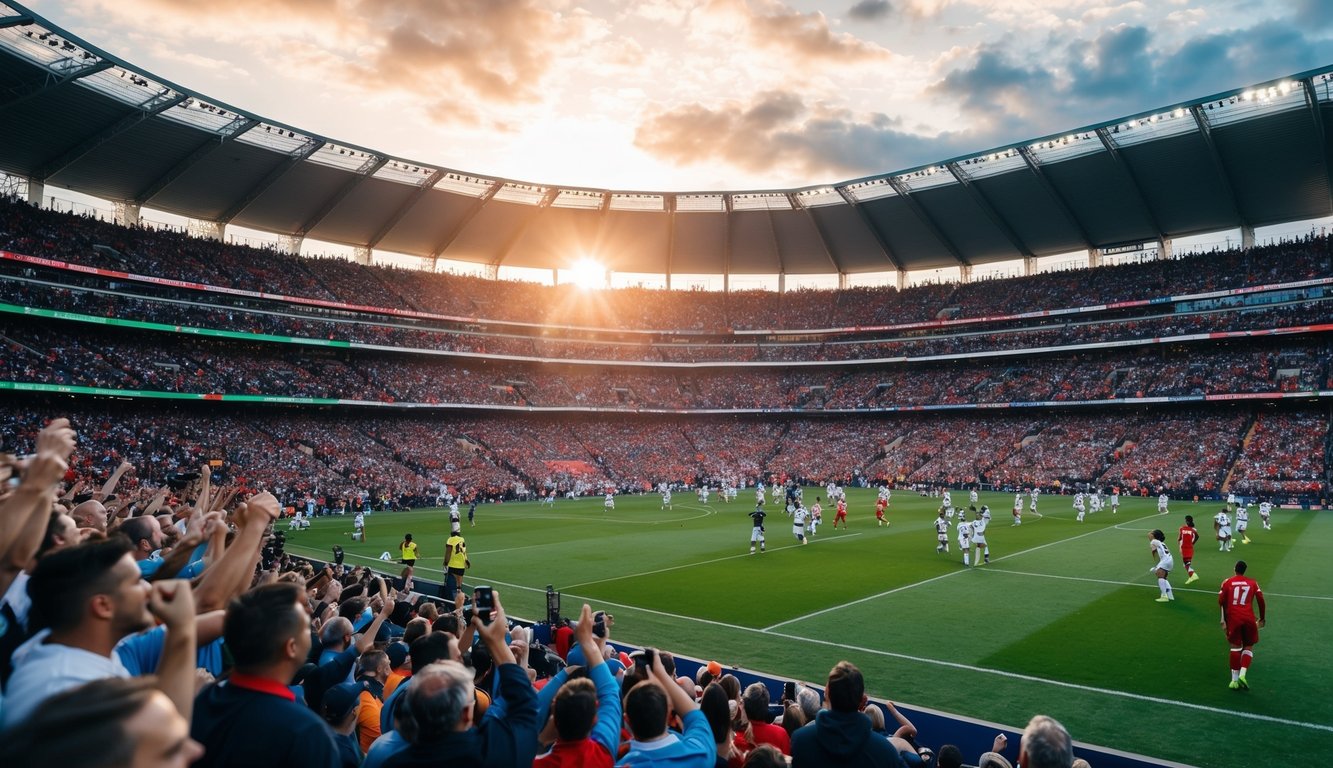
(1237, 598)
(1189, 535)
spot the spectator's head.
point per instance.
(446, 622)
(267, 630)
(876, 716)
(716, 707)
(575, 709)
(732, 685)
(808, 698)
(765, 756)
(1045, 744)
(340, 704)
(949, 756)
(335, 634)
(61, 532)
(418, 627)
(373, 665)
(846, 688)
(755, 701)
(792, 717)
(646, 710)
(439, 701)
(90, 587)
(103, 724)
(433, 648)
(428, 611)
(1080, 763)
(90, 514)
(145, 534)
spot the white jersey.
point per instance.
(798, 521)
(1163, 554)
(1231, 499)
(1265, 509)
(964, 532)
(972, 497)
(985, 514)
(1162, 501)
(610, 501)
(979, 531)
(359, 521)
(1242, 519)
(884, 492)
(1223, 521)
(942, 529)
(1018, 501)
(666, 497)
(947, 499)
(1078, 501)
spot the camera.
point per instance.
(483, 602)
(274, 549)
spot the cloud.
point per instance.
(783, 136)
(804, 38)
(870, 10)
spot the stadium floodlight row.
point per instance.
(1249, 157)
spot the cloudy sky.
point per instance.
(701, 94)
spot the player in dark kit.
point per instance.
(757, 532)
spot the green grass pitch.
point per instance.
(1063, 621)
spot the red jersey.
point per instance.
(1238, 595)
(842, 508)
(1188, 537)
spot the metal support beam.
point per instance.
(823, 236)
(51, 82)
(726, 246)
(277, 172)
(984, 204)
(15, 21)
(1060, 203)
(228, 133)
(1228, 186)
(402, 210)
(366, 170)
(669, 202)
(874, 230)
(1142, 199)
(517, 234)
(154, 106)
(449, 236)
(928, 220)
(1312, 101)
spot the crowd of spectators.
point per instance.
(287, 321)
(1284, 453)
(167, 629)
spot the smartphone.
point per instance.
(483, 602)
(645, 658)
(599, 624)
(789, 691)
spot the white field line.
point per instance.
(937, 662)
(1145, 586)
(703, 562)
(913, 585)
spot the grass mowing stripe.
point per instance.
(692, 565)
(1146, 586)
(904, 587)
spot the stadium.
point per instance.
(608, 444)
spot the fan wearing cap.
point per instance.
(340, 707)
(585, 712)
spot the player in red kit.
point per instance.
(841, 513)
(1237, 598)
(1189, 535)
(879, 511)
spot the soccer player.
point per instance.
(666, 497)
(947, 499)
(1231, 502)
(942, 534)
(472, 512)
(1189, 536)
(757, 531)
(548, 499)
(1237, 598)
(1032, 495)
(840, 514)
(759, 493)
(798, 524)
(1018, 509)
(1222, 524)
(880, 504)
(972, 497)
(816, 517)
(703, 494)
(359, 527)
(1158, 549)
(979, 537)
(1115, 499)
(1161, 504)
(1243, 522)
(609, 502)
(1265, 512)
(1079, 506)
(455, 519)
(965, 538)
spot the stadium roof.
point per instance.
(74, 116)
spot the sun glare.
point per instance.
(588, 274)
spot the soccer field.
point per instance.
(1062, 621)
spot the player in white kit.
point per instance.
(1159, 551)
(942, 534)
(1266, 512)
(1161, 504)
(1080, 506)
(979, 538)
(965, 539)
(798, 525)
(666, 497)
(1243, 522)
(972, 498)
(816, 517)
(1222, 524)
(609, 502)
(1018, 509)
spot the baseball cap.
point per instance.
(340, 700)
(714, 669)
(397, 653)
